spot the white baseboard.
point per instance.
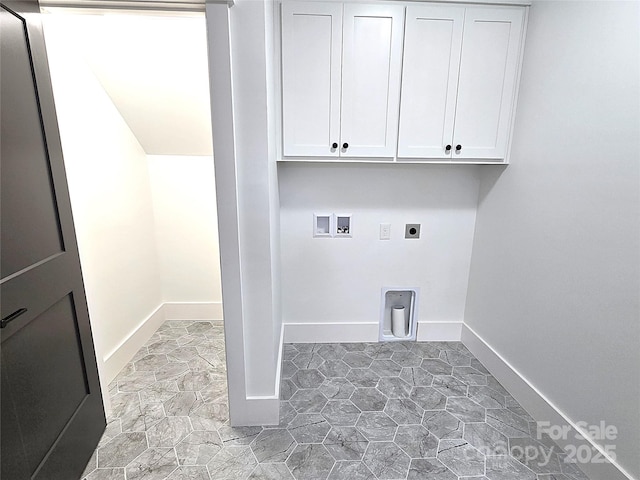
(264, 410)
(115, 360)
(439, 331)
(330, 332)
(193, 311)
(540, 407)
(344, 332)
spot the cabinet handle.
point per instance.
(447, 148)
(458, 148)
(10, 318)
(345, 145)
(334, 145)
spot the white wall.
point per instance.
(111, 201)
(554, 285)
(339, 280)
(184, 206)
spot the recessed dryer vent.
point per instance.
(398, 314)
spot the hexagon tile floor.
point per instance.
(359, 411)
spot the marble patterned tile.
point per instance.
(310, 378)
(308, 360)
(153, 464)
(486, 397)
(336, 388)
(386, 368)
(507, 468)
(169, 431)
(271, 471)
(287, 389)
(341, 413)
(416, 441)
(486, 439)
(416, 376)
(461, 458)
(363, 377)
(273, 445)
(122, 449)
(428, 398)
(308, 401)
(238, 436)
(198, 448)
(379, 351)
(406, 359)
(151, 362)
(454, 358)
(345, 443)
(386, 460)
(442, 424)
(403, 411)
(425, 350)
(429, 469)
(507, 423)
(209, 416)
(141, 417)
(436, 367)
(232, 463)
(190, 473)
(465, 409)
(107, 474)
(369, 399)
(535, 455)
(331, 351)
(334, 368)
(370, 411)
(347, 470)
(310, 462)
(376, 426)
(450, 386)
(182, 404)
(309, 428)
(357, 360)
(394, 387)
(469, 375)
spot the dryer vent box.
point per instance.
(402, 300)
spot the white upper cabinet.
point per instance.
(311, 60)
(371, 68)
(364, 81)
(488, 75)
(459, 81)
(433, 40)
(341, 69)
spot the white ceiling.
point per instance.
(154, 68)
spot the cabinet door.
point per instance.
(488, 76)
(311, 63)
(372, 51)
(433, 38)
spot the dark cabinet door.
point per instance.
(52, 413)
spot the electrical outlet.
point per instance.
(385, 231)
(412, 230)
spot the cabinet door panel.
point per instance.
(433, 37)
(486, 88)
(372, 48)
(311, 58)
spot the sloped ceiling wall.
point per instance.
(154, 68)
